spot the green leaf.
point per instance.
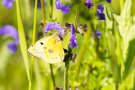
(22, 40)
(126, 12)
(129, 59)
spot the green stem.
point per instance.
(76, 18)
(116, 85)
(51, 15)
(43, 11)
(52, 75)
(66, 75)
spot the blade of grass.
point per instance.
(22, 40)
(33, 40)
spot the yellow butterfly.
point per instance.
(49, 49)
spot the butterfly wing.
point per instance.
(36, 49)
(53, 50)
(49, 49)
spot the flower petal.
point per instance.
(100, 8)
(65, 9)
(58, 4)
(101, 16)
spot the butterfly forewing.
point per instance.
(36, 49)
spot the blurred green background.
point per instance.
(99, 64)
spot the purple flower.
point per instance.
(100, 13)
(98, 33)
(73, 40)
(12, 32)
(100, 8)
(64, 8)
(89, 4)
(53, 25)
(8, 3)
(109, 1)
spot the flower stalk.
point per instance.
(66, 75)
(43, 11)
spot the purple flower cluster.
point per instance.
(54, 25)
(8, 3)
(12, 32)
(100, 13)
(64, 8)
(89, 4)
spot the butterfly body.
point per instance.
(49, 49)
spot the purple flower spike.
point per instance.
(89, 4)
(64, 8)
(100, 13)
(8, 3)
(12, 32)
(73, 40)
(12, 46)
(53, 25)
(109, 1)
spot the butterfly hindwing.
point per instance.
(53, 50)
